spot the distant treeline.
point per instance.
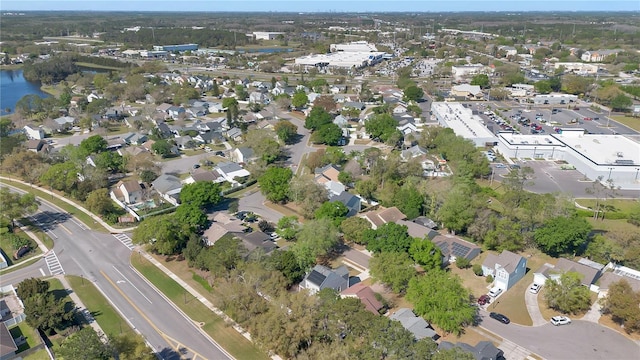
(58, 67)
(146, 38)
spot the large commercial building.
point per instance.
(179, 48)
(341, 59)
(611, 158)
(554, 99)
(266, 35)
(355, 46)
(462, 121)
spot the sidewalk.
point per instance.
(201, 298)
(82, 309)
(531, 300)
(594, 313)
(74, 204)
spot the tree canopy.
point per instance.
(163, 233)
(381, 126)
(567, 295)
(353, 229)
(84, 344)
(200, 194)
(299, 99)
(426, 253)
(394, 269)
(14, 206)
(335, 211)
(622, 303)
(389, 237)
(412, 93)
(317, 118)
(562, 235)
(274, 183)
(286, 131)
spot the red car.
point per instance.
(587, 119)
(484, 299)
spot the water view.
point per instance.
(13, 86)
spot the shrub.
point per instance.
(477, 269)
(489, 279)
(463, 263)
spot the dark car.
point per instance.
(503, 319)
(484, 299)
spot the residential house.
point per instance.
(242, 155)
(508, 50)
(132, 150)
(258, 98)
(341, 121)
(257, 240)
(164, 130)
(222, 224)
(127, 192)
(352, 202)
(618, 274)
(322, 277)
(469, 92)
(598, 55)
(38, 146)
(399, 109)
(197, 111)
(185, 142)
(64, 123)
(175, 112)
(208, 126)
(417, 230)
(589, 274)
(507, 268)
(202, 175)
(168, 186)
(366, 296)
(409, 129)
(354, 104)
(231, 171)
(135, 138)
(453, 247)
(382, 216)
(163, 108)
(8, 345)
(326, 173)
(234, 134)
(415, 324)
(113, 113)
(93, 96)
(413, 152)
(209, 137)
(425, 221)
(484, 350)
(34, 133)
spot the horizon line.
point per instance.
(324, 12)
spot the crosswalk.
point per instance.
(55, 268)
(125, 240)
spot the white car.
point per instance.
(535, 288)
(560, 320)
(495, 291)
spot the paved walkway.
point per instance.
(201, 298)
(512, 351)
(74, 204)
(82, 309)
(594, 313)
(531, 300)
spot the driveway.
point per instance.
(534, 310)
(254, 202)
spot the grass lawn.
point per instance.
(106, 316)
(96, 66)
(8, 250)
(548, 313)
(118, 130)
(86, 219)
(240, 193)
(619, 230)
(23, 264)
(470, 336)
(620, 205)
(29, 333)
(46, 239)
(284, 210)
(476, 284)
(629, 121)
(38, 355)
(215, 326)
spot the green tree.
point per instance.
(412, 93)
(481, 80)
(99, 202)
(241, 92)
(14, 206)
(574, 84)
(191, 214)
(335, 211)
(456, 213)
(317, 118)
(381, 126)
(93, 144)
(567, 295)
(31, 287)
(46, 313)
(426, 253)
(286, 131)
(286, 262)
(622, 303)
(542, 87)
(131, 347)
(394, 269)
(274, 183)
(200, 194)
(299, 99)
(353, 229)
(109, 161)
(621, 102)
(62, 176)
(366, 188)
(288, 227)
(84, 344)
(163, 234)
(562, 235)
(390, 237)
(442, 300)
(224, 255)
(315, 240)
(161, 147)
(329, 134)
(410, 201)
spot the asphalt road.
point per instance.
(580, 340)
(104, 260)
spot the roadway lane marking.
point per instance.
(79, 224)
(166, 337)
(64, 227)
(130, 283)
(125, 240)
(55, 268)
(42, 272)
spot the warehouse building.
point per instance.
(462, 121)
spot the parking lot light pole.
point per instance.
(610, 170)
(516, 156)
(637, 170)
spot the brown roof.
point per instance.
(366, 296)
(588, 273)
(147, 144)
(131, 186)
(204, 175)
(384, 215)
(609, 278)
(118, 193)
(507, 259)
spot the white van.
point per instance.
(495, 291)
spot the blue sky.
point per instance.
(316, 5)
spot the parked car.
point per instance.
(503, 319)
(495, 291)
(587, 119)
(535, 288)
(484, 299)
(560, 320)
(501, 166)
